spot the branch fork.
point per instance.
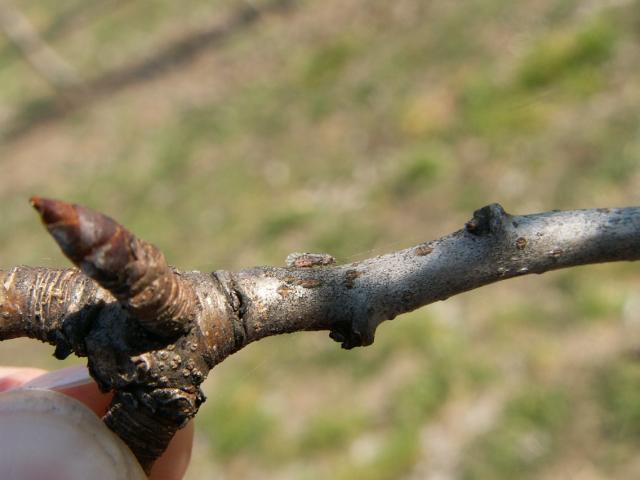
(151, 334)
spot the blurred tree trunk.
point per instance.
(42, 58)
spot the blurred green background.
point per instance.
(230, 138)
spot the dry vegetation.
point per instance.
(356, 127)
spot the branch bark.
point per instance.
(352, 300)
(151, 334)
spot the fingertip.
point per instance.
(14, 377)
(75, 382)
(173, 463)
(91, 396)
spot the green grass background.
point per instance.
(356, 127)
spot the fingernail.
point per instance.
(61, 379)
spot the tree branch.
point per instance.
(352, 300)
(151, 334)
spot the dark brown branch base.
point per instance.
(151, 334)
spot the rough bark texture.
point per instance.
(151, 334)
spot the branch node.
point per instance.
(348, 337)
(487, 220)
(357, 332)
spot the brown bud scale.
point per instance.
(134, 271)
